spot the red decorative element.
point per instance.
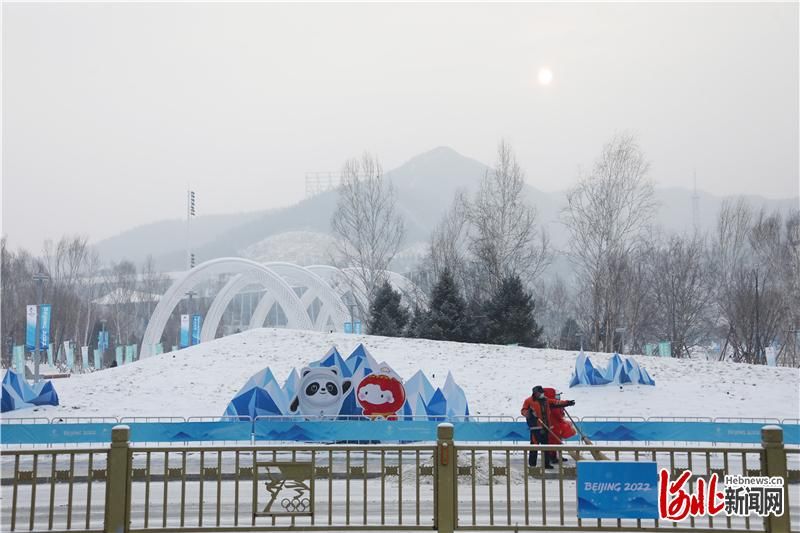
(675, 503)
(381, 396)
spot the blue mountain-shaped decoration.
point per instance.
(17, 394)
(262, 396)
(619, 371)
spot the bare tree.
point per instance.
(756, 290)
(606, 214)
(448, 247)
(679, 276)
(504, 237)
(553, 309)
(120, 285)
(367, 224)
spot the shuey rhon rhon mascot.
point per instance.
(321, 392)
(381, 395)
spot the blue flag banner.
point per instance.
(102, 340)
(84, 358)
(357, 327)
(44, 328)
(197, 321)
(617, 489)
(70, 354)
(19, 360)
(98, 359)
(184, 331)
(129, 353)
(30, 327)
(50, 355)
(119, 355)
(348, 327)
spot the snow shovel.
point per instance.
(598, 455)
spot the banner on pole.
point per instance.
(98, 359)
(84, 358)
(119, 355)
(70, 352)
(30, 328)
(44, 328)
(665, 349)
(197, 321)
(184, 331)
(19, 359)
(102, 340)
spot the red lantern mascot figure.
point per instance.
(560, 428)
(381, 396)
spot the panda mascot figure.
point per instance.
(320, 393)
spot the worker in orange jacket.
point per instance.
(536, 410)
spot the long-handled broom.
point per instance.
(598, 455)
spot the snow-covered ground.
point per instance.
(201, 380)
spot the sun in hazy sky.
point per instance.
(545, 76)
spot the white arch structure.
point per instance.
(323, 289)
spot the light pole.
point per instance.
(39, 279)
(621, 332)
(190, 294)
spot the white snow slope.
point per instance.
(201, 380)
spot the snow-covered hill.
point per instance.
(201, 380)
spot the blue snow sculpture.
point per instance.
(361, 361)
(334, 359)
(585, 373)
(617, 371)
(260, 396)
(436, 408)
(644, 378)
(18, 394)
(456, 399)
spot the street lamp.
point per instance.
(39, 279)
(621, 332)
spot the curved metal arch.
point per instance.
(407, 288)
(295, 313)
(220, 304)
(333, 308)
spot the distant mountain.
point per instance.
(425, 187)
(162, 238)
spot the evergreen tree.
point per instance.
(476, 321)
(447, 317)
(417, 324)
(509, 315)
(386, 315)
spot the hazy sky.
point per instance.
(109, 110)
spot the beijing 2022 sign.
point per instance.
(617, 489)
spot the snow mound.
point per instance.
(202, 379)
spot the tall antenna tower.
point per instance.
(695, 205)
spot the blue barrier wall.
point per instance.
(381, 430)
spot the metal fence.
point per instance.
(445, 486)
